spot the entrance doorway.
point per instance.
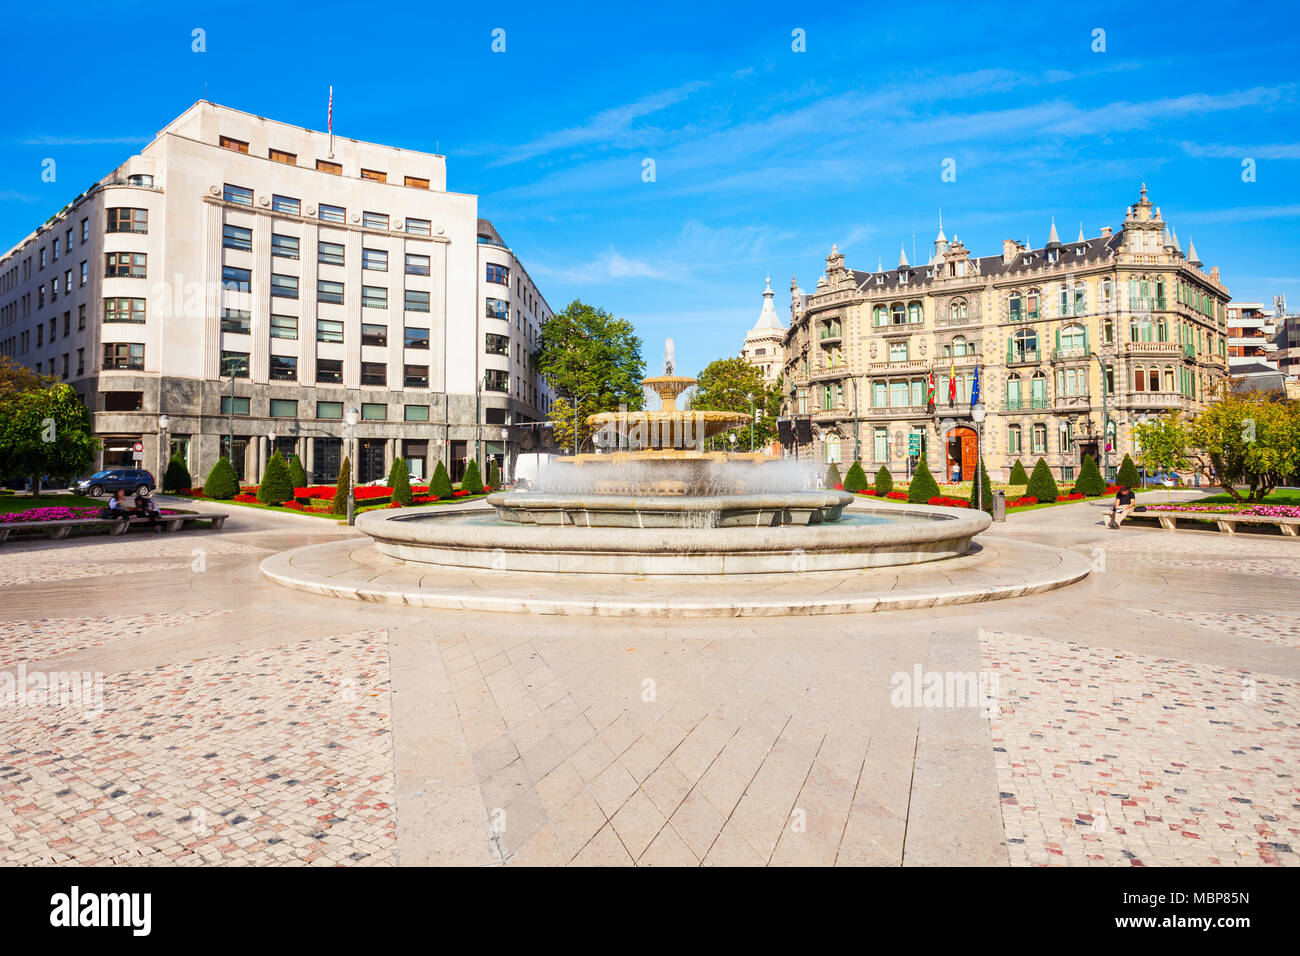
(371, 465)
(961, 452)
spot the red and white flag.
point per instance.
(330, 118)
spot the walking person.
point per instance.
(1122, 507)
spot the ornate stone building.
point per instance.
(765, 342)
(1073, 343)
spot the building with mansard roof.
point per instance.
(1073, 343)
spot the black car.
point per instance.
(134, 481)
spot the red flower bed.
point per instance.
(897, 495)
(247, 498)
(949, 502)
(1111, 489)
(1022, 502)
(1074, 496)
(296, 506)
(359, 492)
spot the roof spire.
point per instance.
(767, 319)
(902, 256)
(941, 237)
(1192, 257)
(1052, 238)
(880, 263)
(1173, 235)
(1081, 239)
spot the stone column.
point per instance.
(309, 457)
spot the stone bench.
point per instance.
(1225, 522)
(115, 526)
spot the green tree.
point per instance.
(399, 479)
(471, 481)
(1249, 440)
(1128, 473)
(986, 490)
(297, 474)
(1018, 474)
(222, 483)
(726, 385)
(177, 475)
(856, 479)
(276, 486)
(833, 476)
(440, 483)
(45, 430)
(884, 481)
(339, 506)
(1041, 484)
(923, 487)
(592, 360)
(1090, 482)
(494, 475)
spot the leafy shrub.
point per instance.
(1018, 474)
(297, 474)
(923, 487)
(1090, 481)
(1128, 473)
(222, 484)
(833, 476)
(400, 480)
(276, 487)
(340, 504)
(884, 481)
(472, 482)
(440, 483)
(177, 475)
(494, 475)
(856, 479)
(1041, 483)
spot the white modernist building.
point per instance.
(244, 284)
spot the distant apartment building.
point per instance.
(258, 286)
(1251, 345)
(1074, 342)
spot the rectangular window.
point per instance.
(325, 166)
(498, 273)
(496, 380)
(376, 260)
(329, 409)
(374, 373)
(237, 321)
(415, 376)
(417, 338)
(417, 265)
(127, 220)
(234, 364)
(235, 406)
(417, 301)
(374, 297)
(332, 213)
(236, 237)
(415, 182)
(327, 291)
(497, 344)
(418, 227)
(124, 310)
(284, 287)
(234, 279)
(229, 142)
(81, 318)
(374, 176)
(286, 204)
(330, 253)
(284, 368)
(284, 327)
(237, 194)
(328, 330)
(374, 411)
(416, 413)
(498, 309)
(284, 408)
(284, 247)
(374, 335)
(880, 445)
(1013, 440)
(281, 156)
(85, 230)
(329, 372)
(131, 264)
(375, 220)
(85, 273)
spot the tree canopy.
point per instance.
(44, 428)
(725, 385)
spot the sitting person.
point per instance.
(148, 508)
(1122, 507)
(117, 507)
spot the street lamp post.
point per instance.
(352, 432)
(977, 413)
(270, 437)
(1105, 420)
(163, 423)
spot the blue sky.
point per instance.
(763, 156)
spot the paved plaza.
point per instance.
(1148, 715)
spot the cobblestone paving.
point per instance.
(1123, 759)
(134, 553)
(43, 638)
(1280, 629)
(277, 757)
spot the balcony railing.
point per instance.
(1151, 400)
(1024, 357)
(901, 365)
(1069, 402)
(1074, 353)
(897, 411)
(1151, 348)
(1032, 404)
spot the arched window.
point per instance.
(880, 315)
(1032, 298)
(1107, 295)
(1169, 379)
(1024, 346)
(1162, 330)
(1016, 306)
(1080, 299)
(1038, 389)
(1139, 380)
(1013, 392)
(1153, 377)
(1039, 438)
(957, 309)
(1074, 338)
(1013, 440)
(898, 313)
(1108, 331)
(914, 313)
(958, 345)
(832, 446)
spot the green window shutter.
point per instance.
(1058, 340)
(1009, 350)
(1085, 339)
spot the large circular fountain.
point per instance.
(660, 504)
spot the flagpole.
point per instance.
(330, 121)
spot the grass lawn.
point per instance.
(25, 502)
(1283, 496)
(324, 515)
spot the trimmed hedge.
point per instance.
(178, 475)
(856, 479)
(986, 490)
(1018, 474)
(275, 488)
(440, 483)
(222, 483)
(400, 481)
(1090, 482)
(494, 475)
(339, 506)
(1041, 483)
(1128, 474)
(472, 481)
(884, 481)
(923, 487)
(833, 476)
(297, 473)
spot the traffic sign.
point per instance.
(138, 447)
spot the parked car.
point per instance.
(1169, 480)
(135, 481)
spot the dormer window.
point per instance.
(1028, 260)
(902, 277)
(1051, 256)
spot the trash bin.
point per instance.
(999, 506)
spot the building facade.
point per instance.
(252, 285)
(1124, 320)
(764, 345)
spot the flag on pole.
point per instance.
(329, 121)
(929, 395)
(952, 383)
(975, 387)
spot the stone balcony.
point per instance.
(827, 373)
(906, 365)
(1152, 348)
(1071, 403)
(896, 411)
(1151, 401)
